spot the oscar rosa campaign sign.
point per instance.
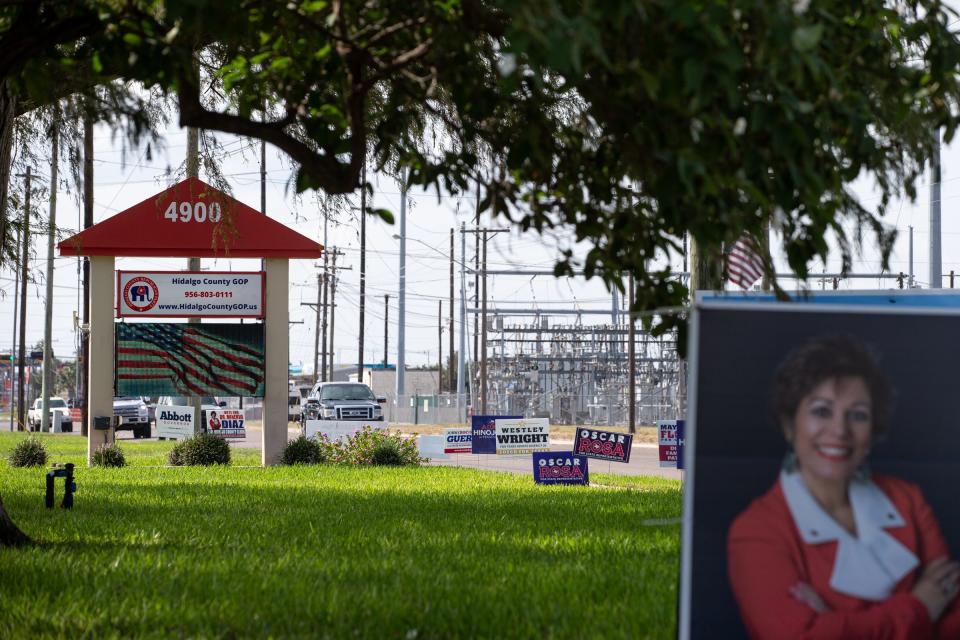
(559, 467)
(190, 294)
(603, 445)
(484, 432)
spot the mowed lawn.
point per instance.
(333, 551)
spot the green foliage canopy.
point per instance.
(631, 123)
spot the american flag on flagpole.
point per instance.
(744, 264)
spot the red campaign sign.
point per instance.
(668, 443)
(603, 445)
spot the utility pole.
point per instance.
(87, 223)
(25, 244)
(483, 339)
(47, 379)
(476, 277)
(631, 355)
(936, 277)
(333, 308)
(463, 316)
(363, 264)
(439, 346)
(910, 281)
(402, 310)
(386, 329)
(13, 349)
(316, 329)
(323, 319)
(450, 379)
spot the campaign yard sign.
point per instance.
(227, 423)
(670, 437)
(681, 443)
(603, 445)
(483, 431)
(520, 437)
(457, 440)
(175, 423)
(560, 467)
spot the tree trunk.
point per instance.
(10, 534)
(8, 110)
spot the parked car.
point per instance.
(35, 415)
(342, 401)
(134, 413)
(207, 403)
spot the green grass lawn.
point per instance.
(329, 551)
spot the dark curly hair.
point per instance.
(825, 357)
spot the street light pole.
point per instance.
(402, 293)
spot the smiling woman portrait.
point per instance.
(832, 550)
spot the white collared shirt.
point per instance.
(868, 565)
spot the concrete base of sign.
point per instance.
(277, 345)
(101, 351)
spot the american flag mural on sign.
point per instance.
(744, 264)
(162, 359)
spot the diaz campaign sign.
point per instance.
(559, 467)
(603, 445)
(484, 429)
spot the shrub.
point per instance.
(375, 447)
(109, 455)
(28, 453)
(387, 453)
(201, 449)
(303, 450)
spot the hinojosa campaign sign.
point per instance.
(560, 467)
(484, 432)
(603, 445)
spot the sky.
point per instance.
(122, 179)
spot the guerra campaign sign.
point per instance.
(560, 467)
(457, 440)
(519, 437)
(483, 432)
(603, 445)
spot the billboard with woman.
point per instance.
(823, 455)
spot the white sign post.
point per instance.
(193, 294)
(518, 437)
(336, 430)
(175, 423)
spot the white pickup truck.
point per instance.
(35, 415)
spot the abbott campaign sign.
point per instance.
(603, 445)
(174, 422)
(560, 467)
(518, 437)
(190, 294)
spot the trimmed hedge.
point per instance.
(202, 449)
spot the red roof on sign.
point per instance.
(191, 219)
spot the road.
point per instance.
(644, 459)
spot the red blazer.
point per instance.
(767, 556)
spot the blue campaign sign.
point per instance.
(560, 467)
(681, 443)
(485, 433)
